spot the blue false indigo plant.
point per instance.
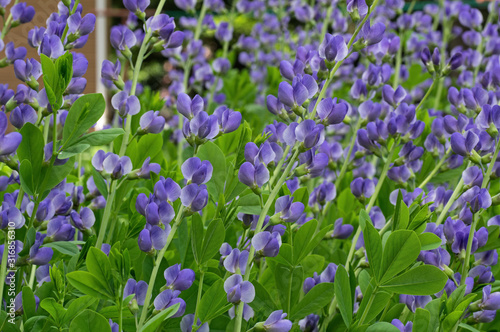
(310, 166)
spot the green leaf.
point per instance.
(382, 327)
(301, 240)
(213, 302)
(197, 237)
(213, 239)
(100, 137)
(429, 241)
(55, 309)
(374, 301)
(89, 321)
(99, 182)
(154, 323)
(451, 320)
(422, 320)
(58, 174)
(29, 305)
(318, 297)
(84, 113)
(422, 280)
(211, 152)
(401, 250)
(343, 294)
(88, 284)
(289, 284)
(73, 150)
(26, 177)
(373, 243)
(99, 265)
(263, 301)
(66, 248)
(77, 305)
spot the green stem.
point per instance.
(198, 299)
(326, 22)
(154, 273)
(399, 60)
(435, 169)
(487, 176)
(465, 267)
(452, 199)
(106, 215)
(3, 268)
(368, 306)
(258, 228)
(427, 94)
(347, 160)
(6, 25)
(279, 166)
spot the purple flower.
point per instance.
(478, 198)
(51, 46)
(331, 112)
(490, 301)
(235, 260)
(37, 255)
(328, 275)
(362, 188)
(392, 97)
(125, 104)
(224, 32)
(267, 244)
(286, 210)
(296, 94)
(122, 38)
(136, 6)
(59, 229)
(10, 216)
(80, 26)
(372, 34)
(186, 5)
(147, 168)
(325, 192)
(228, 119)
(178, 279)
(402, 327)
(137, 288)
(472, 176)
(9, 142)
(238, 290)
(464, 145)
(22, 114)
(253, 176)
(168, 298)
(276, 322)
(201, 128)
(197, 171)
(471, 18)
(333, 48)
(414, 302)
(83, 220)
(194, 197)
(21, 13)
(485, 316)
(112, 164)
(111, 71)
(189, 108)
(152, 122)
(357, 8)
(307, 132)
(309, 323)
(154, 210)
(153, 237)
(167, 189)
(341, 231)
(188, 321)
(28, 71)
